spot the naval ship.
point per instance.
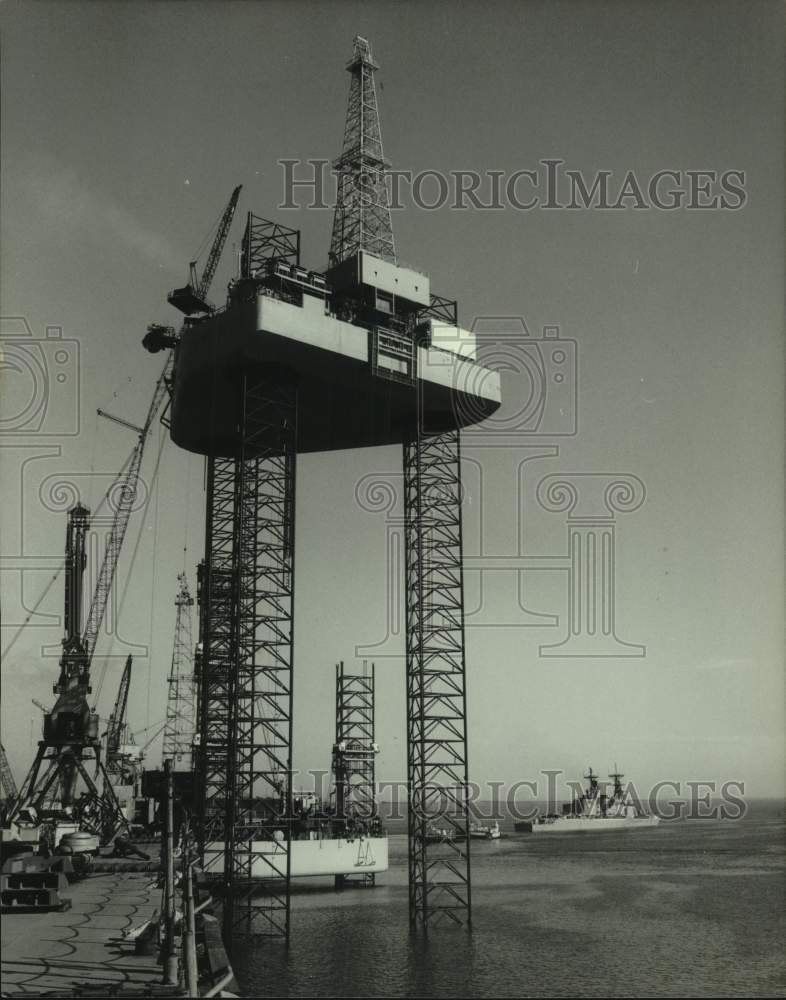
(594, 811)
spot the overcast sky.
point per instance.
(125, 128)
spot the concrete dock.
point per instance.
(82, 948)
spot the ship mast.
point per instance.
(617, 777)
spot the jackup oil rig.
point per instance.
(298, 360)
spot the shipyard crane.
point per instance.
(192, 297)
(123, 491)
(117, 730)
(70, 734)
(7, 783)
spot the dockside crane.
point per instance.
(70, 736)
(7, 783)
(117, 730)
(192, 298)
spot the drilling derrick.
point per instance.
(298, 361)
(181, 702)
(362, 216)
(354, 754)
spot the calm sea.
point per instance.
(692, 908)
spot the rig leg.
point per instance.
(439, 863)
(354, 758)
(244, 764)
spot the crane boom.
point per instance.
(71, 728)
(7, 783)
(218, 244)
(192, 298)
(123, 491)
(117, 720)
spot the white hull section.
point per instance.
(583, 824)
(310, 857)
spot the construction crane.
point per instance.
(123, 492)
(7, 783)
(117, 730)
(70, 734)
(159, 728)
(192, 298)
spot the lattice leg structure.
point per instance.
(439, 863)
(180, 709)
(354, 758)
(246, 676)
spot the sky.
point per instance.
(124, 129)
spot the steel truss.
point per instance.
(354, 757)
(54, 775)
(439, 863)
(245, 768)
(265, 241)
(180, 709)
(362, 216)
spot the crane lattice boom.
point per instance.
(7, 783)
(192, 298)
(123, 494)
(117, 720)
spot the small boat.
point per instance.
(445, 835)
(479, 832)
